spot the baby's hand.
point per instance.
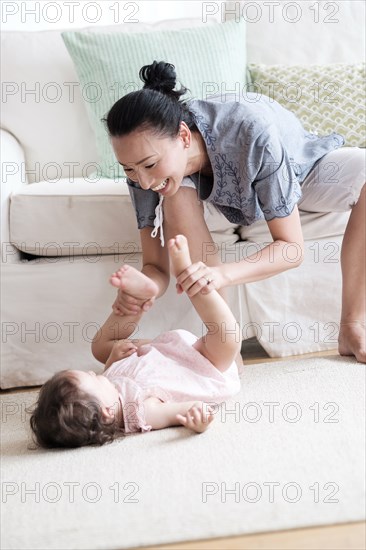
(122, 349)
(197, 418)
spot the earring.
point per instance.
(187, 145)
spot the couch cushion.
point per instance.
(42, 101)
(94, 218)
(314, 226)
(326, 98)
(111, 64)
(81, 218)
(304, 32)
(84, 219)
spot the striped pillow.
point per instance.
(208, 59)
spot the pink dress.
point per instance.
(172, 370)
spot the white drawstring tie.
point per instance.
(158, 222)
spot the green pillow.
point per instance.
(208, 59)
(326, 98)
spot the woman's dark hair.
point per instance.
(66, 416)
(156, 107)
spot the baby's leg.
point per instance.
(118, 327)
(222, 342)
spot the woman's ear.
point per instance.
(185, 134)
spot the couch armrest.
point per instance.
(13, 178)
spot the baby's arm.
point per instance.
(195, 415)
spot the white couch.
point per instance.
(61, 239)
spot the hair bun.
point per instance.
(161, 76)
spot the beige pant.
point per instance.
(335, 182)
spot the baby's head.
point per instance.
(74, 409)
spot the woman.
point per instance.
(249, 159)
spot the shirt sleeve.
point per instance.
(133, 406)
(144, 202)
(133, 397)
(276, 183)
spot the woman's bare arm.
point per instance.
(286, 252)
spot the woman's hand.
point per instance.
(199, 277)
(125, 304)
(197, 418)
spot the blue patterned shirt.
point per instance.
(259, 153)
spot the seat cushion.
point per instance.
(94, 218)
(84, 219)
(314, 226)
(79, 218)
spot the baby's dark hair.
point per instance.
(66, 416)
(157, 106)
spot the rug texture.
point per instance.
(287, 452)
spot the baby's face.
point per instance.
(98, 386)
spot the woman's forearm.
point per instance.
(159, 277)
(271, 260)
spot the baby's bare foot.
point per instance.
(351, 340)
(133, 282)
(179, 254)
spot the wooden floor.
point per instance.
(347, 536)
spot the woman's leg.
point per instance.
(337, 184)
(353, 261)
(222, 342)
(184, 215)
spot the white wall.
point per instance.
(54, 14)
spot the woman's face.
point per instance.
(154, 162)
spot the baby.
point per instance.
(175, 379)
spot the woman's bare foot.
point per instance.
(179, 254)
(133, 282)
(351, 340)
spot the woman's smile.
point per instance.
(161, 185)
(163, 188)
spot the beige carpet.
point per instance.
(252, 471)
